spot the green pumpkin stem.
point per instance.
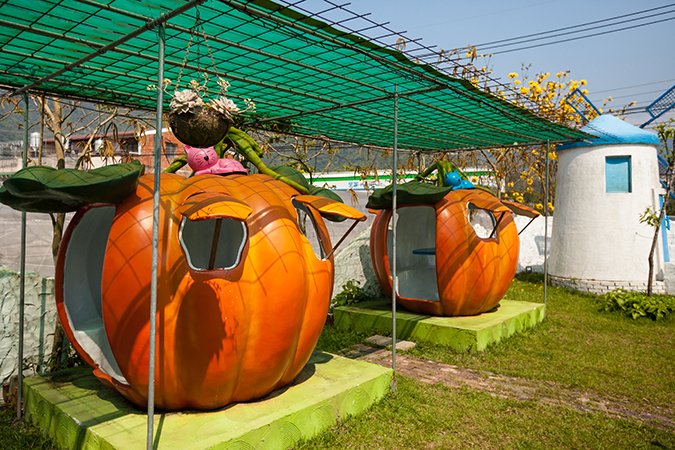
(444, 167)
(176, 164)
(249, 149)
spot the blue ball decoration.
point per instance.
(454, 180)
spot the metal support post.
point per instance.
(155, 235)
(548, 149)
(394, 217)
(22, 278)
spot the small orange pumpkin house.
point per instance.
(456, 257)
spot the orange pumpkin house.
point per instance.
(454, 258)
(242, 296)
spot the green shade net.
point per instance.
(288, 63)
(47, 190)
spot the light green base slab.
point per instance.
(459, 333)
(78, 412)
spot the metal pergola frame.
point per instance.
(340, 68)
(160, 24)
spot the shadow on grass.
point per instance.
(532, 278)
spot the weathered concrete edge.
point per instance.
(510, 326)
(41, 409)
(68, 431)
(430, 330)
(348, 318)
(313, 420)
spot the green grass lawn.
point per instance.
(577, 346)
(15, 435)
(423, 416)
(581, 347)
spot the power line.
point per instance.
(660, 91)
(637, 110)
(550, 34)
(380, 33)
(580, 31)
(634, 86)
(583, 37)
(578, 26)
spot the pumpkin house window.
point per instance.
(482, 221)
(212, 243)
(618, 174)
(307, 227)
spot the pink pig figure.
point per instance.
(206, 161)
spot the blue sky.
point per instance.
(635, 64)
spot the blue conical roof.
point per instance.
(612, 130)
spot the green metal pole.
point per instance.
(43, 313)
(161, 32)
(22, 277)
(394, 217)
(548, 149)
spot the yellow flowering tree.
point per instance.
(520, 172)
(544, 95)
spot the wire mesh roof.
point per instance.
(299, 70)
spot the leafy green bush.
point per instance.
(351, 293)
(638, 304)
(64, 357)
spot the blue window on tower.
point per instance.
(617, 174)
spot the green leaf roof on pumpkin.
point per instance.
(410, 193)
(48, 190)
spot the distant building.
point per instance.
(341, 181)
(123, 144)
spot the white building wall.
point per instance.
(532, 243)
(597, 235)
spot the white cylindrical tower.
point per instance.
(602, 187)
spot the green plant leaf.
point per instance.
(351, 293)
(638, 304)
(412, 192)
(293, 175)
(48, 190)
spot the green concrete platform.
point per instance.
(459, 333)
(78, 412)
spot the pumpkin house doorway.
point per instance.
(82, 297)
(415, 252)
